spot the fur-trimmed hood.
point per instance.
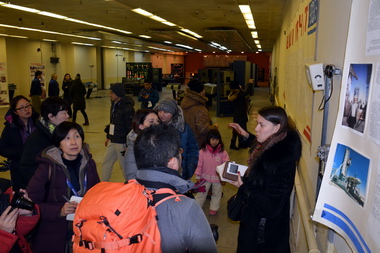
(192, 98)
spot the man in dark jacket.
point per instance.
(181, 221)
(36, 91)
(53, 86)
(121, 115)
(53, 112)
(148, 95)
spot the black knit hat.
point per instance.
(118, 89)
(196, 86)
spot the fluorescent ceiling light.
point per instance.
(168, 23)
(116, 42)
(145, 36)
(82, 44)
(168, 42)
(245, 8)
(255, 35)
(157, 18)
(142, 12)
(21, 8)
(186, 35)
(260, 50)
(162, 49)
(50, 32)
(248, 17)
(257, 42)
(191, 32)
(49, 40)
(13, 36)
(184, 46)
(258, 46)
(53, 15)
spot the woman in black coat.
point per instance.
(19, 124)
(77, 92)
(240, 98)
(268, 182)
(66, 85)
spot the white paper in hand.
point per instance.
(221, 169)
(74, 199)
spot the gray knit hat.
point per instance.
(168, 105)
(118, 89)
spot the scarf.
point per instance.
(212, 150)
(26, 130)
(258, 149)
(50, 126)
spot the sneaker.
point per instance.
(212, 212)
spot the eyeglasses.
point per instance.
(23, 108)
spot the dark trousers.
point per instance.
(83, 113)
(235, 134)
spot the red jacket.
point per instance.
(24, 225)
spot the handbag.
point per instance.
(235, 207)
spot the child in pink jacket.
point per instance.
(211, 155)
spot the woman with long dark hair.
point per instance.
(267, 184)
(143, 118)
(19, 124)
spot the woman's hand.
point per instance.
(239, 182)
(239, 129)
(68, 207)
(8, 221)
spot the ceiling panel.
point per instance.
(218, 21)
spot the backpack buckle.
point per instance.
(88, 245)
(135, 239)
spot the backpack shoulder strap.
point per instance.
(163, 194)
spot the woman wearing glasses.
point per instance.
(19, 124)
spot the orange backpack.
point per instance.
(118, 217)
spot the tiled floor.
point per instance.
(98, 112)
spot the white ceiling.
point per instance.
(217, 21)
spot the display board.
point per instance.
(349, 197)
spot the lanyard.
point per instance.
(69, 184)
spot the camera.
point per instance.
(18, 201)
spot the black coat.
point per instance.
(53, 88)
(264, 225)
(12, 147)
(121, 117)
(66, 85)
(77, 92)
(240, 114)
(36, 143)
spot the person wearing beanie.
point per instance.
(239, 97)
(148, 95)
(195, 111)
(77, 93)
(171, 114)
(121, 114)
